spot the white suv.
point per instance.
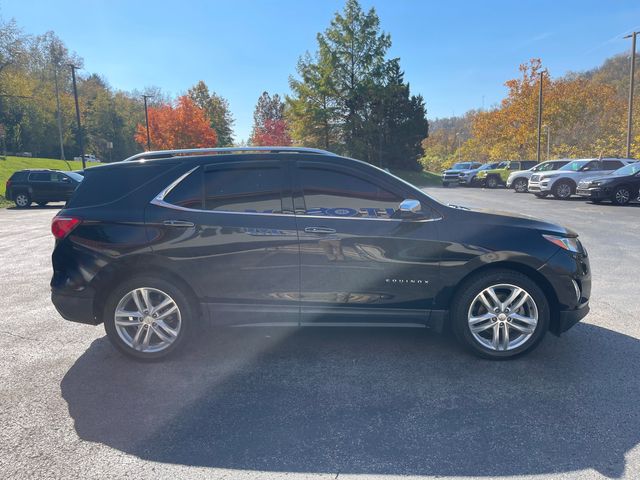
(562, 183)
(519, 180)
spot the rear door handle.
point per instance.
(178, 223)
(319, 230)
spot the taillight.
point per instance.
(62, 226)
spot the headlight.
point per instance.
(567, 243)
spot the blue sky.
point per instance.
(453, 53)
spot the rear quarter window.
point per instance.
(19, 176)
(101, 186)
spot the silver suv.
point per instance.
(562, 183)
(519, 180)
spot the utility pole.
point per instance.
(548, 141)
(146, 120)
(75, 95)
(539, 117)
(458, 149)
(631, 81)
(58, 114)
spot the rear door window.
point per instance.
(612, 164)
(40, 177)
(247, 188)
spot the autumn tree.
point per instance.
(217, 111)
(269, 123)
(179, 125)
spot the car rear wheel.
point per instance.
(520, 185)
(562, 190)
(500, 315)
(22, 200)
(492, 182)
(148, 318)
(621, 196)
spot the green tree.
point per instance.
(217, 110)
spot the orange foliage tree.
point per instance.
(179, 125)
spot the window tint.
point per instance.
(188, 193)
(19, 176)
(592, 165)
(40, 176)
(244, 189)
(514, 166)
(336, 194)
(612, 164)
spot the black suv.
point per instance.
(620, 186)
(302, 237)
(41, 186)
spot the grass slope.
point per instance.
(419, 179)
(11, 164)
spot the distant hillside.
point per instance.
(614, 71)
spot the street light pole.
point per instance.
(58, 113)
(146, 119)
(75, 95)
(631, 81)
(458, 150)
(539, 117)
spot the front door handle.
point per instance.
(319, 230)
(178, 223)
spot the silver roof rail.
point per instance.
(203, 151)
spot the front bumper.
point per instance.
(570, 277)
(568, 318)
(592, 192)
(539, 187)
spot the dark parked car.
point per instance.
(620, 187)
(41, 186)
(302, 237)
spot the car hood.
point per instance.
(558, 173)
(454, 171)
(508, 219)
(605, 177)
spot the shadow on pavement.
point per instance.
(366, 401)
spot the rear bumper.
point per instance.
(76, 307)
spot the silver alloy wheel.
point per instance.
(622, 196)
(147, 320)
(520, 186)
(502, 317)
(22, 200)
(564, 190)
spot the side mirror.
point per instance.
(410, 207)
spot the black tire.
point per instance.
(563, 189)
(471, 288)
(520, 185)
(622, 196)
(492, 181)
(22, 200)
(445, 184)
(180, 297)
(42, 204)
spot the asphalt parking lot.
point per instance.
(335, 403)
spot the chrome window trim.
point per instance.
(159, 201)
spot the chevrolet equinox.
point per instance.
(153, 245)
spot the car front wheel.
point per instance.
(500, 315)
(148, 318)
(562, 190)
(520, 185)
(492, 182)
(621, 196)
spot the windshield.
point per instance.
(630, 169)
(488, 166)
(461, 166)
(75, 176)
(575, 165)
